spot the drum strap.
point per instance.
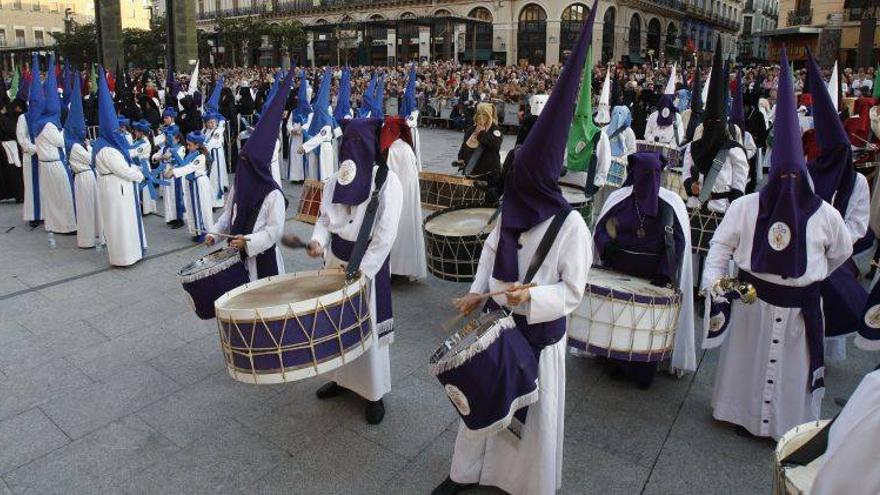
(363, 238)
(668, 216)
(472, 162)
(546, 243)
(590, 187)
(712, 174)
(811, 450)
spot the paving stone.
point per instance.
(139, 314)
(228, 460)
(197, 409)
(96, 462)
(344, 463)
(588, 468)
(93, 406)
(427, 470)
(102, 361)
(22, 391)
(416, 411)
(26, 437)
(192, 362)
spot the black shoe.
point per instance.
(449, 487)
(375, 412)
(328, 390)
(34, 224)
(176, 224)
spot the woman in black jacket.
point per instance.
(479, 156)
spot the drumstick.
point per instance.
(452, 321)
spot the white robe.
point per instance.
(268, 229)
(141, 151)
(684, 357)
(533, 464)
(323, 164)
(219, 180)
(297, 164)
(412, 120)
(408, 254)
(56, 189)
(370, 374)
(85, 184)
(857, 215)
(761, 384)
(197, 196)
(734, 174)
(275, 164)
(664, 134)
(120, 207)
(851, 459)
(29, 167)
(169, 191)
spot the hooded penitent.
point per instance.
(582, 136)
(322, 117)
(409, 104)
(531, 189)
(621, 119)
(786, 201)
(194, 80)
(36, 98)
(357, 154)
(832, 171)
(52, 107)
(108, 124)
(696, 105)
(737, 110)
(303, 107)
(75, 125)
(343, 99)
(393, 129)
(715, 134)
(603, 110)
(253, 175)
(213, 103)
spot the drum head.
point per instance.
(461, 340)
(461, 222)
(286, 291)
(627, 283)
(573, 194)
(209, 261)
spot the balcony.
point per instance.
(287, 7)
(803, 17)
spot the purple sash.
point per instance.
(807, 299)
(382, 295)
(843, 300)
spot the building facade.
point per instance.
(759, 16)
(828, 27)
(504, 31)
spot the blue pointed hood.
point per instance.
(343, 99)
(36, 97)
(303, 107)
(213, 103)
(377, 102)
(52, 108)
(75, 125)
(366, 100)
(321, 116)
(409, 96)
(108, 123)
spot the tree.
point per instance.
(254, 30)
(285, 37)
(77, 46)
(231, 36)
(145, 48)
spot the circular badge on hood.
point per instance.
(779, 236)
(347, 172)
(664, 112)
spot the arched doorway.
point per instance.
(407, 38)
(608, 35)
(531, 36)
(573, 17)
(478, 42)
(324, 46)
(442, 34)
(377, 38)
(672, 48)
(654, 36)
(635, 35)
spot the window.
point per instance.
(37, 7)
(747, 26)
(53, 7)
(39, 40)
(16, 4)
(19, 38)
(2, 37)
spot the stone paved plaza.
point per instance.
(110, 384)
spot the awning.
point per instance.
(790, 31)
